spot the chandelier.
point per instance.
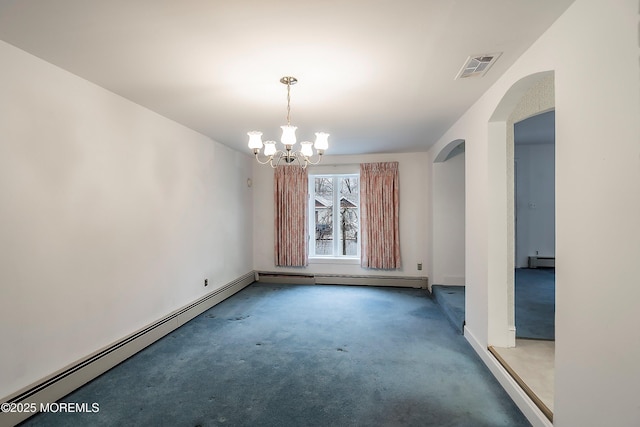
(274, 156)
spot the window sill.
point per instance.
(333, 260)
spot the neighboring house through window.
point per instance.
(334, 217)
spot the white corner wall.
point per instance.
(597, 209)
(413, 171)
(112, 217)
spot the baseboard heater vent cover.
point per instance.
(542, 261)
(279, 277)
(341, 279)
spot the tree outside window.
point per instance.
(335, 220)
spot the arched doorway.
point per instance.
(515, 106)
(528, 97)
(448, 232)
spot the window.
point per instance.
(334, 215)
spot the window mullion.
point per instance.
(336, 216)
(311, 209)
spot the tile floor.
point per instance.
(533, 361)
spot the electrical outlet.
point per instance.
(419, 266)
(206, 282)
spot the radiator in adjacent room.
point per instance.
(542, 261)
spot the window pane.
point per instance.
(324, 216)
(334, 215)
(348, 210)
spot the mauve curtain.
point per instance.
(379, 215)
(290, 191)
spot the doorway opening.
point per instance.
(448, 243)
(534, 167)
(530, 361)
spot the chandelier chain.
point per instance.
(288, 103)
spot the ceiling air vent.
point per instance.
(477, 65)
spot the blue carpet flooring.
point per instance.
(296, 355)
(451, 300)
(534, 303)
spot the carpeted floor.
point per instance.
(451, 300)
(294, 355)
(534, 303)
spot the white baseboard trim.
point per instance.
(341, 279)
(73, 376)
(530, 410)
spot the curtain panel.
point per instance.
(379, 215)
(290, 192)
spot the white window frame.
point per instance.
(336, 257)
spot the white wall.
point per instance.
(413, 171)
(597, 207)
(535, 201)
(448, 218)
(112, 217)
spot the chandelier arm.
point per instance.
(309, 161)
(267, 158)
(278, 155)
(297, 155)
(289, 156)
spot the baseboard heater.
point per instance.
(61, 383)
(341, 279)
(542, 261)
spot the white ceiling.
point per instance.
(378, 75)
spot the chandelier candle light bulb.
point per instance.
(270, 148)
(288, 135)
(274, 156)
